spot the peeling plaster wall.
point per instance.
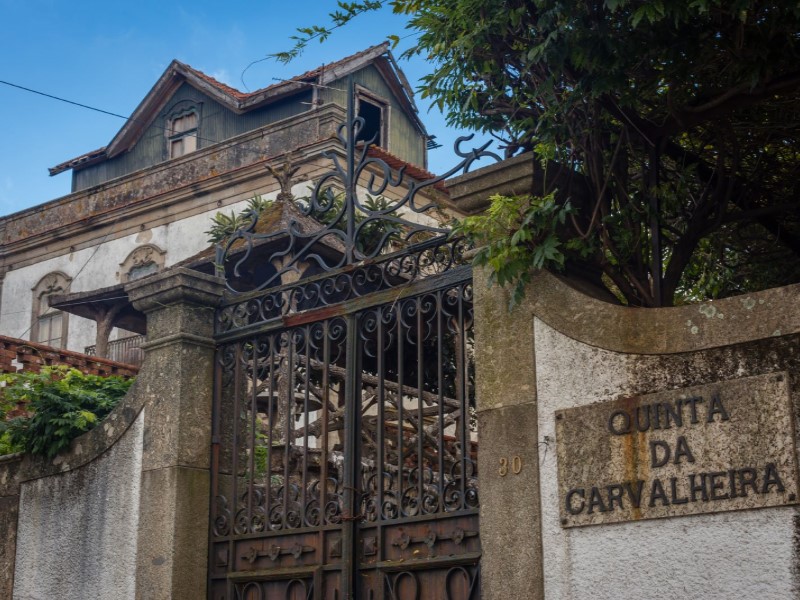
(98, 267)
(77, 531)
(744, 554)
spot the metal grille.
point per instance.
(345, 454)
(126, 350)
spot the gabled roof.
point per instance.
(240, 102)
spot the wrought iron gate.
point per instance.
(344, 460)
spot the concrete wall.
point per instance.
(76, 536)
(561, 349)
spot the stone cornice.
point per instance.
(88, 207)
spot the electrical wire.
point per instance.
(100, 110)
(88, 260)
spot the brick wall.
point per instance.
(32, 356)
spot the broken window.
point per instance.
(372, 111)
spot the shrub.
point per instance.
(62, 402)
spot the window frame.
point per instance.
(383, 104)
(50, 285)
(139, 258)
(172, 136)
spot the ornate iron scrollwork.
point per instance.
(344, 399)
(354, 229)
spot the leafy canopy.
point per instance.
(671, 128)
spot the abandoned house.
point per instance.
(194, 146)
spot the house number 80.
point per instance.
(514, 465)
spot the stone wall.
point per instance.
(561, 357)
(76, 535)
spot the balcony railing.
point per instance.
(127, 350)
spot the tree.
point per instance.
(671, 128)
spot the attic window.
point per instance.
(372, 112)
(182, 134)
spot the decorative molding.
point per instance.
(147, 254)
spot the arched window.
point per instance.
(48, 325)
(182, 133)
(143, 261)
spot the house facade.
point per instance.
(193, 147)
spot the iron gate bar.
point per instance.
(351, 450)
(395, 270)
(348, 134)
(300, 355)
(338, 525)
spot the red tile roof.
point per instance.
(217, 84)
(312, 74)
(397, 163)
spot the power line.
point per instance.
(100, 110)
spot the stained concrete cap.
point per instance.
(689, 328)
(175, 285)
(470, 192)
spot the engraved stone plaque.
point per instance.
(717, 447)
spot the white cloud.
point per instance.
(223, 76)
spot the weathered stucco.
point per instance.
(98, 266)
(560, 349)
(76, 535)
(724, 555)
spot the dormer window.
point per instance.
(373, 111)
(182, 133)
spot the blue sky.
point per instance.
(109, 54)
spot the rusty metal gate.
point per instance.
(344, 458)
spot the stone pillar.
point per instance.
(508, 463)
(177, 382)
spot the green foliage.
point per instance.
(64, 404)
(223, 226)
(371, 231)
(327, 210)
(346, 12)
(517, 235)
(676, 121)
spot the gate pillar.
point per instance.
(178, 375)
(510, 517)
